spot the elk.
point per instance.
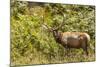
(70, 39)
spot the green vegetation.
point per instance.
(31, 43)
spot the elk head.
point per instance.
(55, 31)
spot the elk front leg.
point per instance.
(67, 51)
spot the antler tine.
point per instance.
(62, 23)
(46, 26)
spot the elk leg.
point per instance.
(69, 51)
(66, 51)
(85, 49)
(87, 44)
(84, 46)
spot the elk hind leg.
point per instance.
(84, 47)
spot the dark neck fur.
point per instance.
(57, 36)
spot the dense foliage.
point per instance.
(31, 43)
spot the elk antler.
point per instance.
(46, 27)
(55, 28)
(62, 23)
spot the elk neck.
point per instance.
(57, 36)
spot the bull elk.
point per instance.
(70, 39)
